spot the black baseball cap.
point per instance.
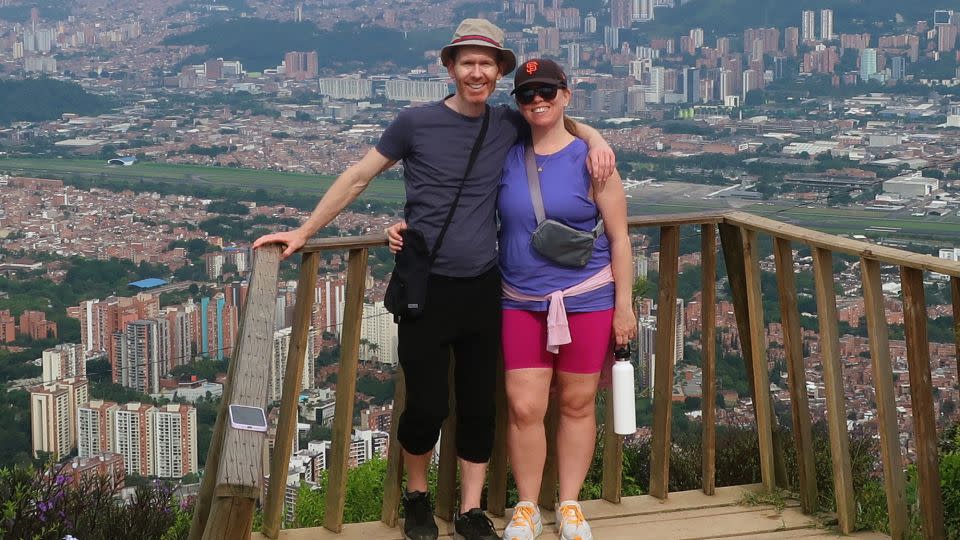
(539, 70)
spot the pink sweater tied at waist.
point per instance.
(558, 329)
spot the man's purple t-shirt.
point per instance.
(434, 143)
(565, 188)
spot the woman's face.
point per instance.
(542, 105)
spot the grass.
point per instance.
(386, 189)
(828, 220)
(776, 498)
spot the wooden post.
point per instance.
(292, 382)
(612, 474)
(230, 517)
(797, 377)
(955, 295)
(346, 390)
(665, 351)
(833, 382)
(548, 484)
(758, 358)
(447, 469)
(263, 281)
(239, 473)
(893, 477)
(393, 480)
(708, 342)
(921, 398)
(497, 470)
(732, 243)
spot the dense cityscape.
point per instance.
(144, 146)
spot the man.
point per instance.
(463, 293)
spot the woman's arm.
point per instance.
(612, 202)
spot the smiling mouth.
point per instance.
(541, 109)
(477, 86)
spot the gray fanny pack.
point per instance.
(553, 240)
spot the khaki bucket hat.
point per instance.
(481, 33)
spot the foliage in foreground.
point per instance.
(43, 504)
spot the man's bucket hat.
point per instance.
(480, 33)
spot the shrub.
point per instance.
(45, 504)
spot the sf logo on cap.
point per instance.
(532, 67)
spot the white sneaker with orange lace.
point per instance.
(572, 524)
(525, 523)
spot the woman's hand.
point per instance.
(394, 239)
(624, 325)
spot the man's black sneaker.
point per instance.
(474, 525)
(418, 523)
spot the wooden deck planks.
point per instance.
(686, 515)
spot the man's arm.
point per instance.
(601, 161)
(345, 189)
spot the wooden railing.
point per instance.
(234, 472)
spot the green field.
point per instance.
(831, 220)
(385, 189)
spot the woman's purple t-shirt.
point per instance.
(565, 187)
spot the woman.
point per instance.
(535, 358)
(535, 361)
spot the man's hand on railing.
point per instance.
(394, 239)
(293, 240)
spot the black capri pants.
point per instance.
(462, 314)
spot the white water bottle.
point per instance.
(624, 400)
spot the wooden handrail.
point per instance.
(738, 232)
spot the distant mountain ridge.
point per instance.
(46, 99)
(261, 44)
(733, 16)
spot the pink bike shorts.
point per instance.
(525, 341)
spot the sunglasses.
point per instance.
(526, 95)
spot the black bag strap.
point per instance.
(533, 181)
(456, 200)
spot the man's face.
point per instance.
(475, 70)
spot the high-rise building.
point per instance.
(132, 436)
(144, 357)
(63, 361)
(352, 88)
(365, 444)
(826, 24)
(217, 327)
(620, 13)
(696, 35)
(868, 63)
(8, 326)
(808, 26)
(791, 41)
(898, 68)
(590, 24)
(611, 37)
(548, 40)
(180, 331)
(573, 56)
(751, 81)
(646, 351)
(301, 65)
(691, 85)
(657, 85)
(381, 334)
(173, 429)
(418, 91)
(946, 37)
(278, 363)
(100, 319)
(95, 427)
(53, 415)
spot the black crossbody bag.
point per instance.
(407, 291)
